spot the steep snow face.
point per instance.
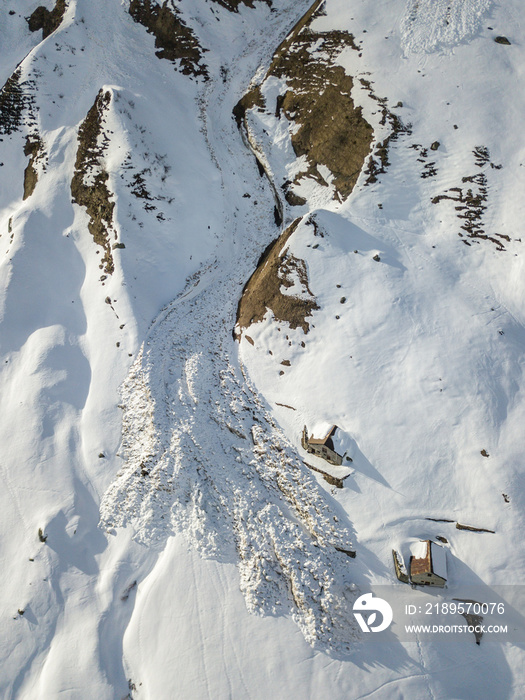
(195, 469)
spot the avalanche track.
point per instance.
(202, 453)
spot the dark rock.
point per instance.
(293, 199)
(47, 21)
(173, 38)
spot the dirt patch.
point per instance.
(174, 39)
(34, 148)
(277, 268)
(46, 20)
(89, 184)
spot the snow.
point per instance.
(431, 24)
(341, 441)
(419, 549)
(216, 573)
(438, 556)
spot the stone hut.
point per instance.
(428, 564)
(330, 447)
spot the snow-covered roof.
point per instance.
(419, 549)
(321, 430)
(439, 560)
(332, 436)
(436, 562)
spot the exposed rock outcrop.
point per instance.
(47, 20)
(89, 184)
(174, 40)
(14, 98)
(277, 267)
(233, 5)
(35, 149)
(325, 124)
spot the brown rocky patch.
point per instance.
(14, 98)
(89, 184)
(46, 20)
(253, 98)
(233, 5)
(35, 149)
(328, 128)
(263, 289)
(332, 131)
(378, 161)
(174, 40)
(472, 200)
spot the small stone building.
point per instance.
(428, 564)
(330, 447)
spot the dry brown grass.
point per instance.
(263, 290)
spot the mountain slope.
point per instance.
(156, 495)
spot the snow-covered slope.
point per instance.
(160, 533)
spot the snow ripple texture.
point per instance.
(204, 457)
(430, 24)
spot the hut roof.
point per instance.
(334, 438)
(326, 440)
(439, 560)
(428, 557)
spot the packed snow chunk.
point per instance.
(429, 24)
